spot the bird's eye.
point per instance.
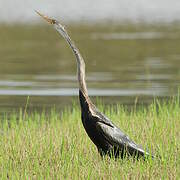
(54, 21)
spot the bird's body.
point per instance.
(108, 138)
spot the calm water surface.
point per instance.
(123, 63)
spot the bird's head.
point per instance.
(57, 25)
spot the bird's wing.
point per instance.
(117, 138)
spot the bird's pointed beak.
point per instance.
(49, 20)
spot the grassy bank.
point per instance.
(56, 146)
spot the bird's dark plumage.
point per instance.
(108, 138)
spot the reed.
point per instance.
(55, 146)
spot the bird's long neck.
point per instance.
(80, 64)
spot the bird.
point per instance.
(109, 139)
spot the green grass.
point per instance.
(55, 146)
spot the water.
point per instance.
(123, 64)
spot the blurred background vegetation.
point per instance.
(132, 53)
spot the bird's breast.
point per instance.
(90, 126)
